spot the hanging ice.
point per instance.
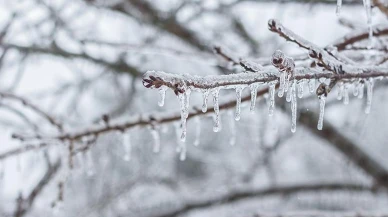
(197, 131)
(282, 84)
(369, 95)
(156, 138)
(205, 95)
(232, 139)
(339, 5)
(355, 89)
(271, 107)
(312, 85)
(300, 88)
(368, 11)
(127, 146)
(293, 107)
(253, 96)
(162, 95)
(340, 91)
(238, 103)
(361, 89)
(346, 94)
(322, 100)
(216, 126)
(288, 97)
(184, 99)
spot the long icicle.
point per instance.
(322, 100)
(216, 126)
(293, 107)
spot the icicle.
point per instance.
(293, 107)
(271, 107)
(253, 96)
(339, 5)
(288, 97)
(282, 84)
(238, 104)
(156, 137)
(162, 96)
(300, 88)
(312, 85)
(346, 95)
(368, 11)
(355, 89)
(205, 95)
(216, 126)
(197, 131)
(361, 90)
(340, 91)
(322, 100)
(232, 139)
(127, 146)
(184, 103)
(369, 95)
(183, 151)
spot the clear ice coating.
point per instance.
(271, 107)
(197, 123)
(205, 94)
(156, 137)
(293, 107)
(369, 95)
(300, 88)
(216, 126)
(253, 96)
(162, 96)
(237, 115)
(322, 100)
(127, 146)
(338, 9)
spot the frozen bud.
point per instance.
(289, 64)
(278, 58)
(322, 90)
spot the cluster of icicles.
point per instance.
(293, 89)
(368, 12)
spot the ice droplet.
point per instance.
(216, 126)
(205, 95)
(322, 100)
(271, 90)
(127, 146)
(293, 107)
(184, 99)
(369, 95)
(253, 96)
(197, 123)
(162, 96)
(238, 104)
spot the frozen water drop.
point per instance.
(300, 88)
(205, 95)
(253, 96)
(282, 84)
